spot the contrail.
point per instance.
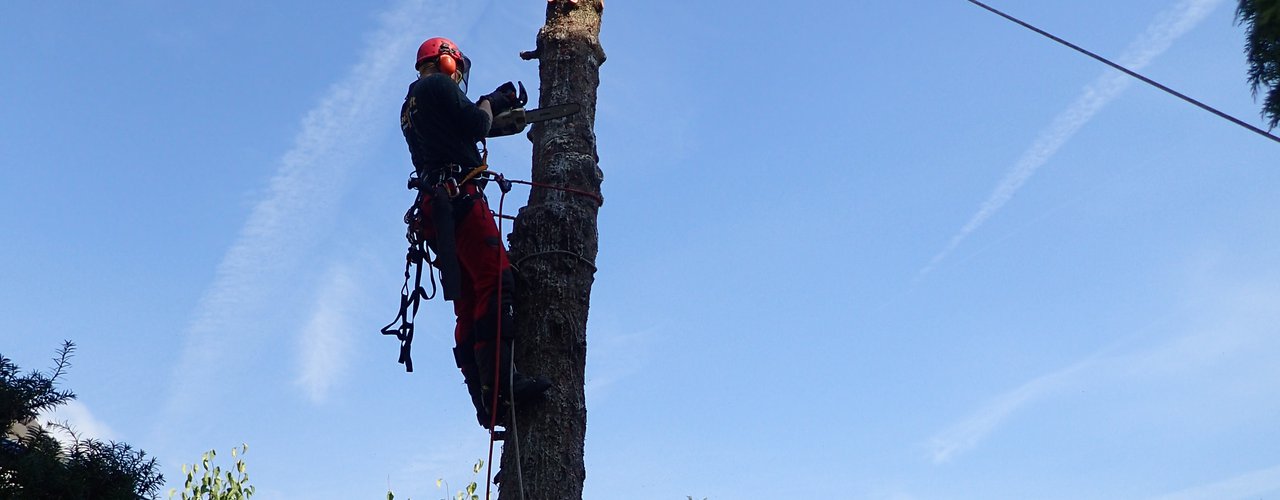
(1168, 27)
(285, 224)
(966, 434)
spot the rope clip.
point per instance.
(503, 183)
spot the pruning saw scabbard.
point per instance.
(445, 246)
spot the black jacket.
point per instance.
(441, 125)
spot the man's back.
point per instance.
(441, 125)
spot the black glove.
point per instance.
(506, 98)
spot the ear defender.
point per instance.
(447, 64)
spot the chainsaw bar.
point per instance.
(552, 112)
(515, 120)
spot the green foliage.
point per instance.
(35, 465)
(23, 397)
(1261, 19)
(207, 481)
(468, 493)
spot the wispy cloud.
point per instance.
(81, 420)
(1241, 333)
(1252, 484)
(1166, 29)
(325, 343)
(967, 433)
(307, 185)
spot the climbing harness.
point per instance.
(444, 186)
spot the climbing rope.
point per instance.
(598, 199)
(504, 185)
(1127, 71)
(497, 371)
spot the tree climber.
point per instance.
(442, 126)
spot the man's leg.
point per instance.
(464, 353)
(463, 307)
(484, 263)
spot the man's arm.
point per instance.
(468, 119)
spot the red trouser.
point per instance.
(484, 265)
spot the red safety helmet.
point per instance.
(447, 56)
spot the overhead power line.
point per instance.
(1128, 71)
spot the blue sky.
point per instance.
(848, 250)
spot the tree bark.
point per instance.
(553, 248)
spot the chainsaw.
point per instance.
(516, 119)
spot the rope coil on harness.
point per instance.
(410, 301)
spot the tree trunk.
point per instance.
(553, 247)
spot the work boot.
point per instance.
(526, 389)
(477, 400)
(471, 376)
